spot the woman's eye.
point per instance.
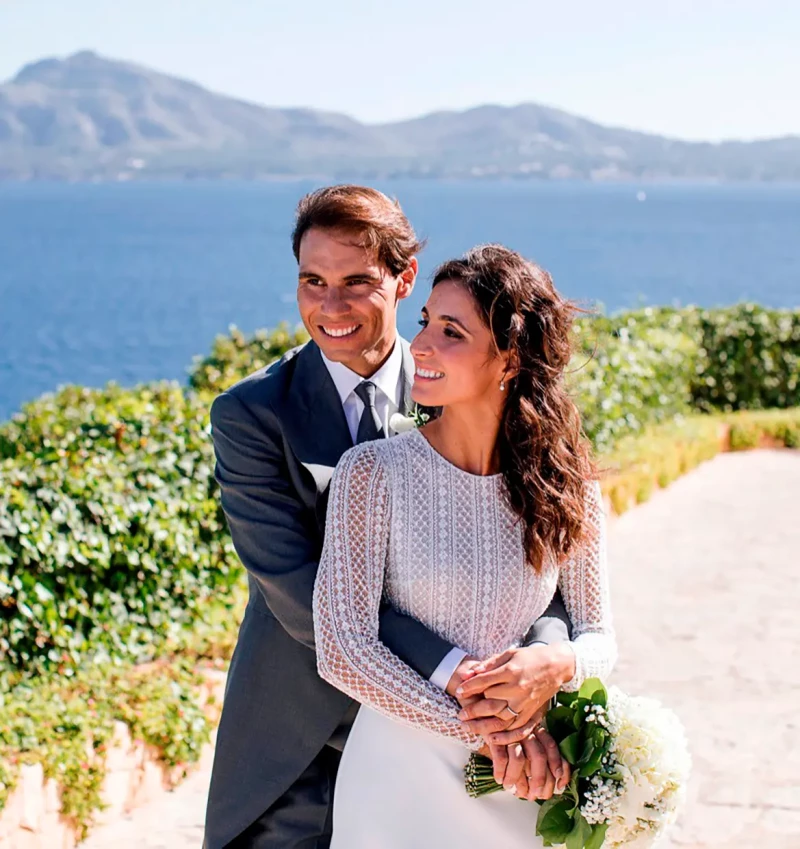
(422, 322)
(448, 331)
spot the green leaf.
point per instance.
(589, 687)
(597, 836)
(580, 833)
(600, 697)
(555, 822)
(569, 748)
(579, 715)
(566, 698)
(587, 751)
(559, 722)
(592, 764)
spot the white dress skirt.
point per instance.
(401, 788)
(441, 545)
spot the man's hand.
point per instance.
(533, 769)
(523, 679)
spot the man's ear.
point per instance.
(407, 278)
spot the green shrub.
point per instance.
(662, 453)
(235, 356)
(66, 724)
(631, 371)
(750, 359)
(112, 537)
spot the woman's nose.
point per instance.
(419, 346)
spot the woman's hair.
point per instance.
(375, 220)
(544, 458)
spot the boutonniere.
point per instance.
(399, 423)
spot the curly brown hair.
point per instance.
(545, 460)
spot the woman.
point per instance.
(498, 493)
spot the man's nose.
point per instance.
(335, 303)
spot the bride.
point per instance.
(468, 524)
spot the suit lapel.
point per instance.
(407, 378)
(318, 434)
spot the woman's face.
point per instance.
(454, 354)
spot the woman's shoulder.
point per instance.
(381, 454)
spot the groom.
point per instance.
(278, 435)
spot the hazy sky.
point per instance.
(699, 69)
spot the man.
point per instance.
(278, 435)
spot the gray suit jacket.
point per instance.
(278, 435)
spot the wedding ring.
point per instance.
(511, 710)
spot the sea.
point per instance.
(128, 282)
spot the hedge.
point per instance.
(66, 723)
(112, 537)
(640, 464)
(750, 359)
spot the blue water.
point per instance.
(127, 282)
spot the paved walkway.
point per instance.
(706, 601)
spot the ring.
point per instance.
(511, 710)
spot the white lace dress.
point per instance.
(441, 545)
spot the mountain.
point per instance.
(88, 117)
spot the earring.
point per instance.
(502, 386)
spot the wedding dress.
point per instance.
(439, 544)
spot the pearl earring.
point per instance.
(502, 386)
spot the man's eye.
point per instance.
(422, 322)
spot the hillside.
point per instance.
(88, 117)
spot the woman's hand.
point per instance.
(522, 679)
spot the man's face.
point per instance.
(348, 299)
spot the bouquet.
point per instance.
(630, 767)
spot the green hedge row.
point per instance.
(661, 454)
(111, 533)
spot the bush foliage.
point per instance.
(111, 534)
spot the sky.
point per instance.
(699, 69)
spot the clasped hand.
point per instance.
(526, 759)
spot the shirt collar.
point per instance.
(386, 378)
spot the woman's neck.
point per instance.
(467, 438)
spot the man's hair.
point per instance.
(376, 221)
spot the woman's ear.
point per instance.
(512, 366)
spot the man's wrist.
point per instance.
(462, 672)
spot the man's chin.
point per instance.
(340, 350)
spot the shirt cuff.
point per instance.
(444, 671)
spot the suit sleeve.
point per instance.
(276, 536)
(553, 626)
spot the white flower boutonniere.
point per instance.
(398, 423)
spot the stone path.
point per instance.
(706, 601)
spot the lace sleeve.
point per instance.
(583, 581)
(347, 598)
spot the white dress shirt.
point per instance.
(388, 380)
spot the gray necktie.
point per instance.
(370, 425)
